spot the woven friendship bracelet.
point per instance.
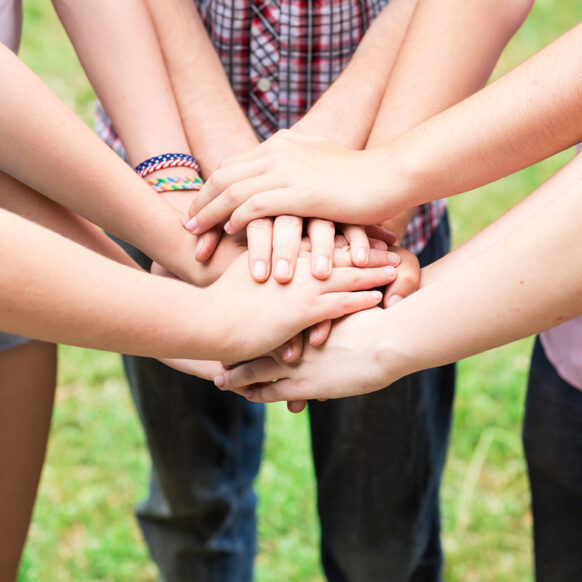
(166, 161)
(181, 183)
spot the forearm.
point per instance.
(534, 204)
(79, 171)
(529, 281)
(19, 199)
(345, 113)
(526, 116)
(215, 125)
(449, 52)
(126, 68)
(69, 294)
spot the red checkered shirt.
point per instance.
(280, 56)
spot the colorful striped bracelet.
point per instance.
(156, 163)
(181, 183)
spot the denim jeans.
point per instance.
(378, 461)
(552, 436)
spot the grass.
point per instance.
(97, 463)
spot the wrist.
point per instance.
(394, 354)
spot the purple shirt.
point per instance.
(563, 346)
(10, 23)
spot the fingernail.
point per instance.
(394, 300)
(227, 227)
(322, 265)
(390, 270)
(287, 353)
(189, 223)
(219, 381)
(377, 295)
(282, 269)
(199, 247)
(259, 270)
(362, 256)
(249, 393)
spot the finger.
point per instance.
(290, 351)
(207, 244)
(376, 258)
(260, 242)
(286, 241)
(275, 202)
(221, 179)
(359, 243)
(260, 370)
(319, 332)
(296, 406)
(376, 243)
(276, 392)
(322, 236)
(340, 241)
(407, 280)
(355, 279)
(375, 231)
(334, 305)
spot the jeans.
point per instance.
(552, 436)
(378, 461)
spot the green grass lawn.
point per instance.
(97, 463)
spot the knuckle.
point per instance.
(255, 205)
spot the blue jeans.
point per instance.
(378, 461)
(552, 436)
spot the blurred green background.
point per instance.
(97, 465)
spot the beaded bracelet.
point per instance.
(181, 183)
(166, 161)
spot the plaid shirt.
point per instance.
(280, 56)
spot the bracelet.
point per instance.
(180, 183)
(166, 161)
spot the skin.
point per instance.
(480, 296)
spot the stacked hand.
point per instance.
(292, 173)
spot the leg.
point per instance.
(379, 460)
(27, 384)
(205, 445)
(199, 517)
(553, 447)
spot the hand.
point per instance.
(257, 318)
(407, 280)
(181, 199)
(352, 361)
(275, 243)
(204, 274)
(290, 174)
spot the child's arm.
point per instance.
(529, 280)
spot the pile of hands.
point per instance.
(245, 248)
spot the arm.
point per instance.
(449, 52)
(69, 294)
(80, 172)
(20, 199)
(215, 125)
(527, 281)
(125, 67)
